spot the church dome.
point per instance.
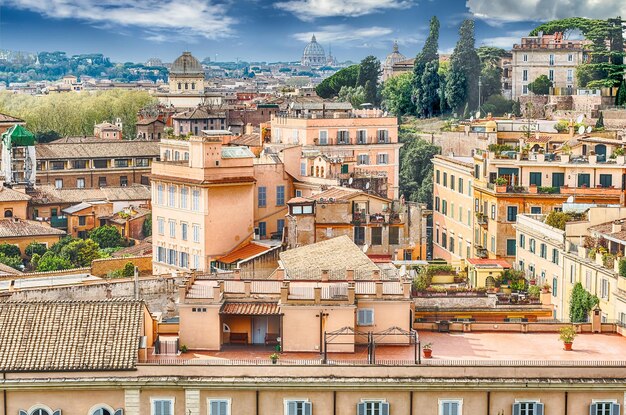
(394, 57)
(186, 64)
(313, 54)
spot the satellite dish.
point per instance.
(589, 129)
(579, 119)
(472, 118)
(477, 114)
(367, 185)
(403, 270)
(365, 248)
(350, 180)
(581, 129)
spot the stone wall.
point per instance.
(446, 303)
(461, 143)
(101, 267)
(614, 119)
(159, 293)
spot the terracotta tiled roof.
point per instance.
(15, 228)
(485, 262)
(148, 121)
(252, 140)
(10, 195)
(140, 248)
(69, 335)
(97, 149)
(197, 114)
(337, 193)
(7, 270)
(49, 194)
(247, 251)
(607, 229)
(8, 118)
(250, 309)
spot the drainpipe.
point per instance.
(488, 402)
(4, 395)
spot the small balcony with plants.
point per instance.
(482, 219)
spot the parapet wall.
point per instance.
(101, 267)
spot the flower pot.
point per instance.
(274, 361)
(428, 353)
(568, 346)
(501, 188)
(532, 188)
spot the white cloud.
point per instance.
(505, 42)
(311, 9)
(161, 20)
(498, 11)
(342, 34)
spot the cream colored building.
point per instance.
(453, 218)
(549, 55)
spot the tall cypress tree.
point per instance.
(464, 65)
(369, 70)
(425, 97)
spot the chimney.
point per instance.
(617, 227)
(324, 275)
(237, 274)
(349, 275)
(248, 129)
(217, 291)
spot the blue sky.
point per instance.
(134, 30)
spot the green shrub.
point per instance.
(128, 270)
(10, 250)
(547, 189)
(622, 267)
(534, 291)
(581, 303)
(35, 248)
(12, 261)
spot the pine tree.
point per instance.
(369, 70)
(426, 100)
(620, 98)
(464, 65)
(600, 122)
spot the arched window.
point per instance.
(176, 155)
(40, 411)
(322, 172)
(186, 85)
(180, 86)
(8, 213)
(193, 85)
(101, 411)
(167, 155)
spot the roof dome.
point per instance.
(313, 54)
(394, 57)
(186, 64)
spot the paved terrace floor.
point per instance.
(449, 347)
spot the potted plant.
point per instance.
(545, 288)
(501, 183)
(428, 350)
(274, 357)
(183, 349)
(567, 335)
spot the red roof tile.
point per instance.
(489, 261)
(247, 251)
(378, 259)
(251, 309)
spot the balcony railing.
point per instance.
(58, 221)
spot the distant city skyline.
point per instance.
(263, 30)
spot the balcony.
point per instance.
(598, 191)
(482, 219)
(58, 222)
(481, 252)
(359, 218)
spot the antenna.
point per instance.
(579, 119)
(477, 115)
(581, 129)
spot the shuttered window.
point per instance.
(294, 407)
(163, 407)
(449, 408)
(373, 408)
(219, 407)
(604, 408)
(527, 408)
(365, 317)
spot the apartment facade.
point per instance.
(549, 55)
(365, 142)
(453, 218)
(194, 218)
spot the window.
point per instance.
(551, 74)
(298, 407)
(184, 260)
(535, 210)
(100, 164)
(40, 411)
(58, 183)
(604, 408)
(359, 235)
(525, 75)
(604, 289)
(555, 256)
(160, 194)
(363, 159)
(195, 228)
(163, 406)
(219, 406)
(452, 210)
(437, 176)
(160, 254)
(511, 213)
(373, 408)
(262, 196)
(493, 244)
(365, 317)
(172, 228)
(280, 195)
(343, 137)
(383, 136)
(183, 231)
(160, 226)
(554, 286)
(280, 225)
(510, 247)
(171, 190)
(571, 273)
(445, 179)
(184, 194)
(102, 181)
(570, 75)
(444, 207)
(527, 408)
(444, 240)
(142, 162)
(437, 203)
(460, 214)
(584, 180)
(323, 139)
(171, 256)
(195, 200)
(588, 280)
(450, 407)
(80, 183)
(57, 165)
(476, 205)
(493, 211)
(525, 57)
(377, 236)
(525, 89)
(82, 220)
(105, 411)
(383, 158)
(570, 57)
(262, 229)
(535, 178)
(394, 236)
(606, 180)
(122, 162)
(543, 251)
(451, 245)
(452, 181)
(551, 59)
(460, 185)
(302, 169)
(78, 164)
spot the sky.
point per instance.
(270, 30)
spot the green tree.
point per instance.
(35, 248)
(600, 122)
(107, 236)
(128, 270)
(353, 95)
(620, 98)
(498, 106)
(581, 303)
(416, 168)
(57, 247)
(456, 91)
(396, 94)
(51, 262)
(517, 108)
(540, 86)
(331, 86)
(464, 69)
(80, 252)
(146, 227)
(10, 250)
(12, 261)
(425, 73)
(369, 71)
(491, 79)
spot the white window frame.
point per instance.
(172, 228)
(303, 400)
(359, 319)
(228, 404)
(195, 229)
(358, 158)
(161, 226)
(386, 136)
(379, 401)
(613, 402)
(527, 401)
(79, 181)
(385, 156)
(458, 401)
(101, 406)
(358, 132)
(184, 196)
(195, 200)
(604, 288)
(343, 132)
(154, 399)
(325, 141)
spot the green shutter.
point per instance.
(538, 408)
(308, 408)
(517, 408)
(360, 408)
(384, 408)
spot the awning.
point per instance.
(247, 251)
(250, 309)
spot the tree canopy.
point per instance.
(331, 86)
(367, 77)
(540, 86)
(107, 237)
(465, 69)
(416, 168)
(426, 73)
(397, 94)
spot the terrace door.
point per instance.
(259, 329)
